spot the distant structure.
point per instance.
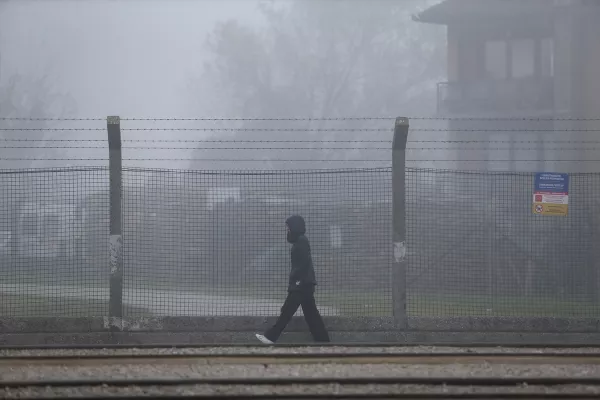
(521, 58)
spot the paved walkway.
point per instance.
(163, 302)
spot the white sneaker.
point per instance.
(263, 339)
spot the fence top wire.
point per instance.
(342, 130)
(306, 119)
(212, 148)
(202, 172)
(197, 141)
(51, 119)
(409, 170)
(308, 130)
(50, 129)
(281, 160)
(368, 118)
(196, 159)
(267, 141)
(202, 148)
(265, 172)
(51, 170)
(446, 171)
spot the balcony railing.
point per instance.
(496, 96)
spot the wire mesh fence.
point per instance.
(477, 249)
(200, 242)
(213, 243)
(52, 248)
(195, 242)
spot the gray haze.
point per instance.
(198, 240)
(209, 58)
(115, 57)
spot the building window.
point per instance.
(547, 57)
(523, 58)
(495, 59)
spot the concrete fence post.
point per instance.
(399, 220)
(115, 306)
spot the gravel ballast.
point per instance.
(208, 390)
(70, 370)
(292, 350)
(193, 370)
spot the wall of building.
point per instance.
(452, 67)
(586, 78)
(591, 64)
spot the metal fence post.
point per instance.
(115, 306)
(399, 220)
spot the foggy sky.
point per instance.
(126, 57)
(132, 58)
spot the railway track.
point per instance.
(260, 373)
(314, 388)
(306, 358)
(438, 381)
(115, 346)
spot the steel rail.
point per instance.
(417, 396)
(366, 354)
(561, 345)
(312, 358)
(358, 396)
(435, 383)
(310, 381)
(375, 396)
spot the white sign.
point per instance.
(399, 251)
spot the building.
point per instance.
(524, 59)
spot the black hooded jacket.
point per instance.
(302, 274)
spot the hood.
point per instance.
(297, 227)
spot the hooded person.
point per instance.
(301, 287)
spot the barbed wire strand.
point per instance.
(196, 141)
(51, 129)
(50, 119)
(296, 160)
(298, 130)
(345, 141)
(310, 148)
(367, 118)
(295, 141)
(189, 159)
(260, 129)
(348, 130)
(306, 119)
(324, 130)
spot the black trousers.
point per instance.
(304, 297)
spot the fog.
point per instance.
(244, 59)
(299, 97)
(221, 58)
(345, 69)
(130, 58)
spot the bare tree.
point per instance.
(323, 59)
(25, 102)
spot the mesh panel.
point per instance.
(204, 243)
(476, 248)
(213, 243)
(54, 226)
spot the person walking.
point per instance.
(301, 287)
